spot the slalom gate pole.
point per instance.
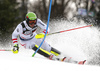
(46, 28)
(70, 29)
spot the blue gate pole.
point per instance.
(46, 28)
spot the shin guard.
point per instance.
(42, 51)
(55, 52)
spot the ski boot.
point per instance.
(52, 57)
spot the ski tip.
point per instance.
(82, 62)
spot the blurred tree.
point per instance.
(41, 8)
(58, 8)
(23, 8)
(9, 15)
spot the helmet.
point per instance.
(31, 18)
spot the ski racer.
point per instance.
(26, 31)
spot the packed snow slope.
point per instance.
(80, 44)
(24, 62)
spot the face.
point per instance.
(32, 23)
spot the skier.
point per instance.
(26, 31)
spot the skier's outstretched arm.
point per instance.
(15, 35)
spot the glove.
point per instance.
(15, 49)
(40, 35)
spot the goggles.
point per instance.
(32, 22)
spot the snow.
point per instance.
(24, 62)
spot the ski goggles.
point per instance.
(32, 22)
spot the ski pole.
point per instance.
(4, 50)
(70, 29)
(38, 36)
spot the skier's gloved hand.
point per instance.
(40, 35)
(15, 49)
